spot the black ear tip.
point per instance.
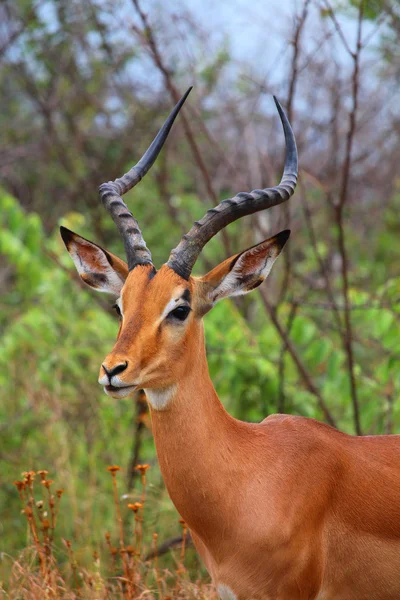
(283, 237)
(66, 235)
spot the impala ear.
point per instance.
(245, 271)
(98, 268)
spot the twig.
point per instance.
(347, 336)
(338, 28)
(175, 542)
(296, 359)
(141, 411)
(281, 370)
(289, 108)
(324, 272)
(149, 39)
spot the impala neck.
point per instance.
(196, 451)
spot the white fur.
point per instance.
(115, 381)
(232, 284)
(121, 392)
(225, 592)
(159, 399)
(173, 303)
(118, 302)
(103, 380)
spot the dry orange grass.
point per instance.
(43, 571)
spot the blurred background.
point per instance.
(85, 85)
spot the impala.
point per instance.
(286, 509)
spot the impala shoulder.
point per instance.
(302, 424)
(294, 434)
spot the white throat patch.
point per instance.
(225, 592)
(159, 399)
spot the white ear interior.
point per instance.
(248, 272)
(94, 268)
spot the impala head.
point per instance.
(160, 312)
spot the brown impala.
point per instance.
(286, 509)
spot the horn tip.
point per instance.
(278, 105)
(186, 94)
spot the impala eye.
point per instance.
(180, 313)
(117, 310)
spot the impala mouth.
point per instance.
(119, 392)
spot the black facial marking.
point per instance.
(186, 296)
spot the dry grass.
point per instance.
(47, 570)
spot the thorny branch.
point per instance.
(339, 206)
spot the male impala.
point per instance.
(286, 509)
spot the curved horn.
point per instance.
(184, 256)
(136, 250)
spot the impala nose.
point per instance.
(115, 370)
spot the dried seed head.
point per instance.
(47, 482)
(130, 550)
(39, 504)
(59, 493)
(135, 507)
(42, 474)
(108, 536)
(46, 524)
(142, 468)
(20, 485)
(113, 469)
(29, 476)
(155, 536)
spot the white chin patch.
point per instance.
(159, 399)
(120, 392)
(103, 380)
(225, 592)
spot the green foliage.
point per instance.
(55, 332)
